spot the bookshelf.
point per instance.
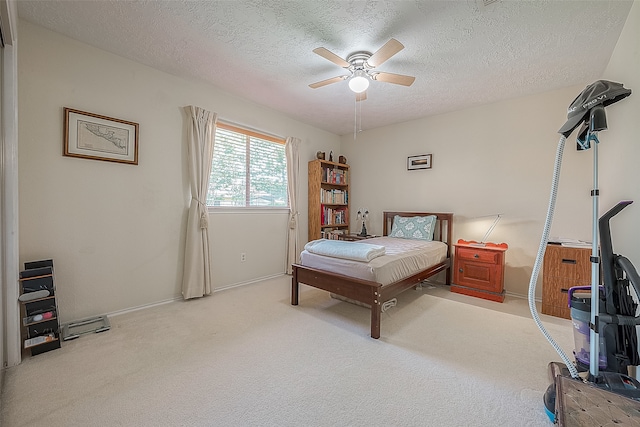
(328, 199)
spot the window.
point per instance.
(249, 169)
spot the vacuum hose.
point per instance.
(540, 256)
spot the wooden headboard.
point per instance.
(443, 231)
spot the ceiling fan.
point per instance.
(361, 67)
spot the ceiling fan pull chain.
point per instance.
(355, 118)
(360, 117)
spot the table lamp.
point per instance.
(483, 242)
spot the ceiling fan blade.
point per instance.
(327, 82)
(390, 48)
(327, 54)
(361, 96)
(398, 79)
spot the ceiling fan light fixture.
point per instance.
(359, 82)
(360, 65)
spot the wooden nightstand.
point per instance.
(479, 270)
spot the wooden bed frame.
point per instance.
(372, 293)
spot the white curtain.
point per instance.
(292, 150)
(196, 278)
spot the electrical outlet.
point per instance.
(243, 257)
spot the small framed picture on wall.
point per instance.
(419, 162)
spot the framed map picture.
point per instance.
(419, 162)
(92, 136)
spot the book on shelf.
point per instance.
(332, 234)
(335, 175)
(333, 196)
(330, 215)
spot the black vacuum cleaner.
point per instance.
(604, 315)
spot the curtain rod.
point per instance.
(230, 123)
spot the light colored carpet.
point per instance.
(246, 357)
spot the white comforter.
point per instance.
(355, 251)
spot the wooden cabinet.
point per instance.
(39, 311)
(328, 198)
(479, 270)
(563, 268)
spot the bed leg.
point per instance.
(376, 311)
(294, 287)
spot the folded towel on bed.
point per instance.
(348, 250)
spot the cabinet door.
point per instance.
(484, 276)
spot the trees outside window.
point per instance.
(249, 169)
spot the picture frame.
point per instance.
(97, 137)
(419, 162)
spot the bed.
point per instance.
(365, 286)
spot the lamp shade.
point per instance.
(359, 82)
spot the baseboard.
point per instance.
(261, 279)
(236, 285)
(511, 294)
(179, 297)
(507, 293)
(142, 307)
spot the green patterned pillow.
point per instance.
(413, 227)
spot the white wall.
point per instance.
(115, 231)
(620, 151)
(622, 155)
(499, 158)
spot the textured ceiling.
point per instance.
(462, 53)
